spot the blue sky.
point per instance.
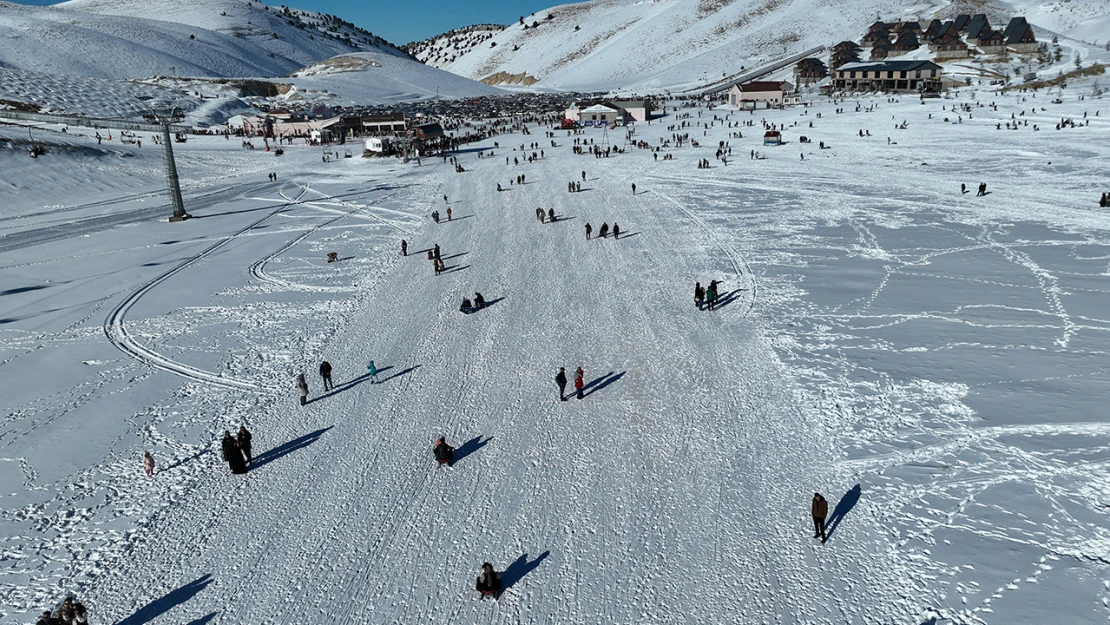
(411, 20)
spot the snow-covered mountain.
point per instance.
(49, 51)
(104, 39)
(651, 45)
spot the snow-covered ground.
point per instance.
(932, 362)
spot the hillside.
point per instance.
(446, 48)
(102, 39)
(378, 78)
(670, 44)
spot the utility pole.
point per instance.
(164, 117)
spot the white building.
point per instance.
(763, 94)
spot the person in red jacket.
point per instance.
(578, 384)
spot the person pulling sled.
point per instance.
(489, 582)
(444, 453)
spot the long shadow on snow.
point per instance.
(470, 447)
(518, 569)
(843, 507)
(185, 460)
(301, 442)
(204, 620)
(458, 218)
(454, 268)
(399, 373)
(597, 384)
(454, 256)
(174, 598)
(728, 298)
(344, 386)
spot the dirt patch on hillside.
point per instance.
(505, 78)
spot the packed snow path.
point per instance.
(932, 362)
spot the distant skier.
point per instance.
(699, 294)
(583, 176)
(325, 372)
(820, 511)
(578, 383)
(444, 199)
(373, 372)
(404, 247)
(499, 186)
(489, 582)
(244, 440)
(302, 386)
(444, 453)
(448, 213)
(561, 381)
(589, 230)
(148, 463)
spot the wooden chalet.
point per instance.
(809, 71)
(916, 76)
(950, 47)
(880, 50)
(1019, 36)
(992, 42)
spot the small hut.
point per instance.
(772, 137)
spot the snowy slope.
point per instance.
(378, 78)
(445, 48)
(105, 39)
(934, 362)
(295, 34)
(653, 45)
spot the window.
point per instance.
(903, 74)
(852, 74)
(918, 74)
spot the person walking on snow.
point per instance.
(699, 294)
(404, 247)
(148, 463)
(448, 213)
(820, 511)
(561, 380)
(589, 230)
(633, 188)
(244, 440)
(325, 372)
(711, 295)
(578, 383)
(444, 199)
(373, 372)
(444, 453)
(616, 231)
(302, 386)
(982, 189)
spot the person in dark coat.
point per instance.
(1104, 201)
(578, 383)
(244, 440)
(982, 189)
(604, 232)
(820, 511)
(711, 295)
(435, 251)
(489, 582)
(633, 188)
(404, 247)
(561, 380)
(232, 455)
(479, 301)
(551, 214)
(616, 231)
(589, 230)
(325, 372)
(699, 294)
(444, 453)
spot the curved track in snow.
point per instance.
(115, 327)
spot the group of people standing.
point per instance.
(561, 382)
(604, 231)
(706, 295)
(71, 612)
(237, 450)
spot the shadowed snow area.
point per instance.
(932, 362)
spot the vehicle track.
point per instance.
(116, 330)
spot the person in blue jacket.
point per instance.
(373, 372)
